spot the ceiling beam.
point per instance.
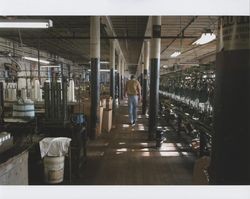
(148, 28)
(181, 33)
(104, 37)
(111, 32)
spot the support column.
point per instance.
(1, 103)
(39, 65)
(117, 83)
(230, 144)
(112, 71)
(124, 78)
(120, 77)
(154, 75)
(95, 72)
(145, 78)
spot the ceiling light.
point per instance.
(103, 70)
(175, 54)
(165, 66)
(36, 60)
(102, 62)
(25, 23)
(51, 66)
(205, 38)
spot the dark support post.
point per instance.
(123, 79)
(1, 102)
(202, 144)
(141, 79)
(122, 89)
(38, 63)
(154, 75)
(145, 77)
(64, 95)
(230, 143)
(112, 72)
(118, 84)
(119, 77)
(95, 72)
(144, 94)
(47, 101)
(112, 83)
(39, 67)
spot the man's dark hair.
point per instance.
(132, 77)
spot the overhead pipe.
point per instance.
(107, 37)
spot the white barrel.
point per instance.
(53, 169)
(23, 110)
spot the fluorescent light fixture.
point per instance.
(103, 70)
(205, 38)
(165, 66)
(51, 66)
(102, 62)
(36, 60)
(26, 23)
(175, 54)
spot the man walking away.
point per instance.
(133, 91)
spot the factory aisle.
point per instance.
(126, 157)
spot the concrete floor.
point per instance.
(126, 157)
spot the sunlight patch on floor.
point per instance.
(125, 125)
(169, 154)
(122, 150)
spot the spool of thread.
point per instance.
(37, 91)
(13, 94)
(71, 91)
(24, 94)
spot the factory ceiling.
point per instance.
(178, 33)
(69, 38)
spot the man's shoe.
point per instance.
(133, 123)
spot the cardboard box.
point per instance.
(82, 107)
(100, 115)
(103, 103)
(107, 120)
(109, 103)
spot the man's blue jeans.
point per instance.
(132, 107)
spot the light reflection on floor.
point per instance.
(122, 150)
(141, 127)
(166, 150)
(168, 147)
(125, 125)
(169, 153)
